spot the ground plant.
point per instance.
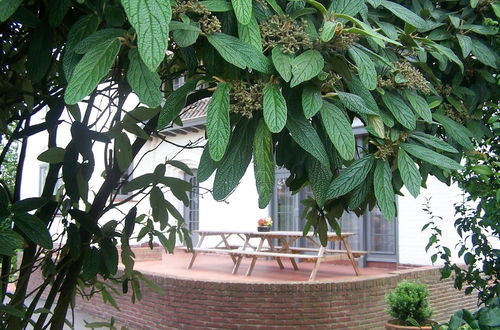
(409, 304)
(287, 79)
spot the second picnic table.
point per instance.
(285, 249)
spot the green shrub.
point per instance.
(409, 300)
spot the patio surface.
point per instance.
(211, 267)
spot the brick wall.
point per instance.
(352, 304)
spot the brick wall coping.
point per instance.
(320, 285)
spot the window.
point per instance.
(177, 82)
(43, 171)
(192, 212)
(126, 177)
(374, 233)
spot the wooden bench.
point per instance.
(256, 253)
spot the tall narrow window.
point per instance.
(43, 171)
(126, 177)
(42, 176)
(192, 212)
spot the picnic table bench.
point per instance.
(286, 250)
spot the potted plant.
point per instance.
(408, 304)
(264, 224)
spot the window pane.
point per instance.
(192, 212)
(287, 208)
(350, 222)
(382, 233)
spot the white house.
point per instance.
(399, 241)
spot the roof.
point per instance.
(197, 109)
(193, 119)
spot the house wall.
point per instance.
(240, 210)
(412, 217)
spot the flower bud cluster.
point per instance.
(285, 32)
(330, 84)
(458, 116)
(191, 6)
(413, 78)
(388, 149)
(209, 23)
(343, 41)
(246, 97)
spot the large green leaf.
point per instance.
(433, 141)
(239, 53)
(10, 241)
(366, 67)
(250, 33)
(306, 137)
(356, 87)
(7, 8)
(123, 151)
(311, 100)
(242, 10)
(140, 182)
(306, 66)
(347, 7)
(282, 63)
(483, 53)
(33, 228)
(150, 20)
(465, 43)
(458, 132)
(180, 165)
(382, 185)
(351, 177)
(319, 177)
(52, 155)
(404, 14)
(419, 104)
(328, 31)
(74, 242)
(28, 204)
(217, 6)
(207, 165)
(91, 263)
(173, 211)
(84, 27)
(186, 37)
(274, 108)
(218, 129)
(144, 82)
(359, 195)
(339, 130)
(400, 110)
(409, 173)
(158, 207)
(263, 161)
(430, 156)
(355, 103)
(94, 65)
(100, 36)
(40, 52)
(234, 164)
(175, 102)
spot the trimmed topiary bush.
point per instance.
(408, 302)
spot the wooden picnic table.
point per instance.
(284, 249)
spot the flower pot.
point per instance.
(395, 325)
(263, 228)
